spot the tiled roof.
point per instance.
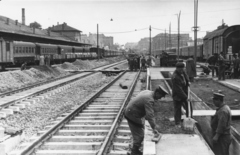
(26, 30)
(63, 27)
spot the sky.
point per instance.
(131, 19)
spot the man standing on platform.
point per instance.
(221, 124)
(180, 84)
(212, 61)
(222, 67)
(139, 108)
(191, 69)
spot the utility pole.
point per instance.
(178, 16)
(165, 42)
(170, 45)
(97, 44)
(150, 52)
(195, 29)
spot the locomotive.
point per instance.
(18, 52)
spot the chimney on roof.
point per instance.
(57, 23)
(23, 16)
(16, 22)
(63, 26)
(7, 22)
(33, 30)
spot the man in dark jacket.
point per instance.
(191, 69)
(180, 84)
(212, 61)
(142, 107)
(221, 124)
(222, 67)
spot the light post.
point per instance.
(195, 29)
(150, 52)
(178, 17)
(97, 44)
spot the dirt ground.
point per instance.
(204, 89)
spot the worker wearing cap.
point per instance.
(221, 124)
(180, 84)
(141, 107)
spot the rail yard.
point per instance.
(119, 77)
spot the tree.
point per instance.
(36, 25)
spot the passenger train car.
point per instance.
(17, 52)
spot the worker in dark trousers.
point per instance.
(180, 84)
(143, 63)
(142, 107)
(236, 63)
(191, 69)
(222, 66)
(221, 125)
(212, 61)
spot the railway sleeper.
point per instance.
(97, 114)
(122, 139)
(94, 117)
(87, 127)
(76, 139)
(66, 152)
(77, 132)
(106, 103)
(115, 110)
(86, 122)
(71, 146)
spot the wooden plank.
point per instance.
(149, 147)
(212, 112)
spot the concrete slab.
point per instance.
(182, 144)
(212, 112)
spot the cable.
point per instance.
(124, 31)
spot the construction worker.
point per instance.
(180, 84)
(191, 69)
(222, 67)
(221, 124)
(212, 61)
(142, 107)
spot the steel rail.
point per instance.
(34, 145)
(53, 87)
(104, 148)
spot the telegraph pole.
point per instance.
(150, 52)
(97, 44)
(170, 45)
(178, 16)
(165, 40)
(195, 29)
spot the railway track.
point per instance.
(19, 99)
(92, 128)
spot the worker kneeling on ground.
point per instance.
(139, 107)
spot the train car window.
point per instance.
(26, 49)
(16, 49)
(20, 49)
(7, 46)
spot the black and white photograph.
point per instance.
(119, 77)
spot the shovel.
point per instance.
(188, 122)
